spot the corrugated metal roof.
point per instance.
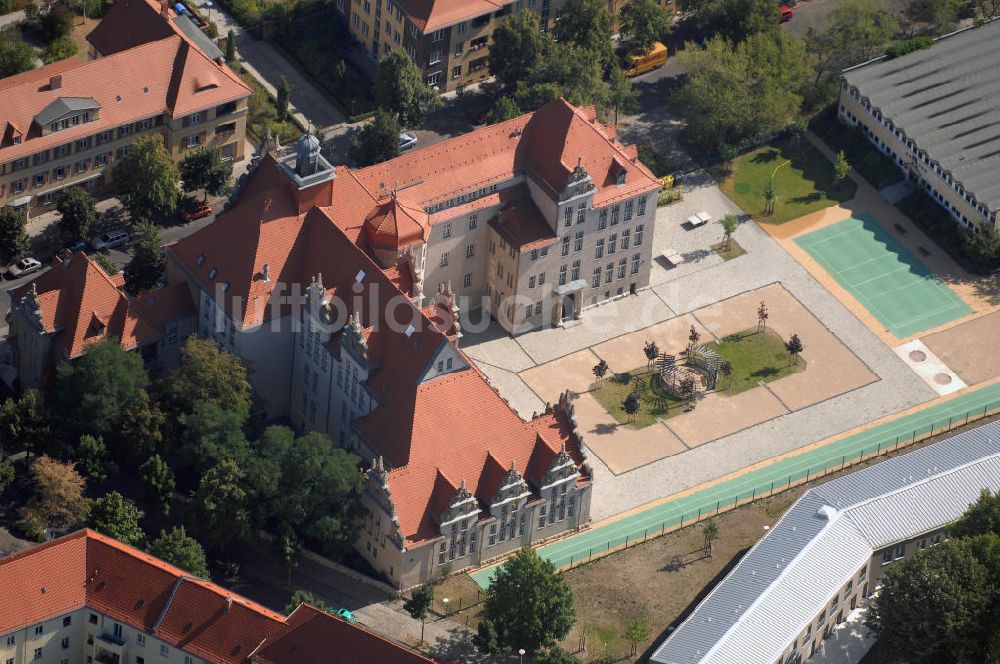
(947, 99)
(201, 40)
(787, 577)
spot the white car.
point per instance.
(109, 240)
(407, 140)
(23, 267)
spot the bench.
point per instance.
(672, 256)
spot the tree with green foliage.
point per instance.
(529, 603)
(643, 22)
(898, 49)
(58, 503)
(710, 531)
(735, 93)
(631, 405)
(841, 169)
(556, 655)
(622, 95)
(587, 24)
(140, 432)
(982, 517)
(855, 31)
(600, 369)
(115, 516)
(219, 510)
(486, 638)
(158, 484)
(206, 170)
(651, 351)
(180, 549)
(59, 48)
(149, 259)
(284, 94)
(518, 47)
(6, 474)
(24, 424)
(77, 213)
(729, 225)
(94, 391)
(377, 141)
(736, 20)
(207, 374)
(983, 248)
(419, 606)
(146, 179)
(16, 55)
(399, 88)
(211, 433)
(288, 547)
(231, 49)
(49, 22)
(939, 16)
(770, 196)
(92, 455)
(14, 242)
(300, 597)
(636, 631)
(794, 347)
(568, 72)
(106, 262)
(504, 109)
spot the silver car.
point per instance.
(110, 240)
(407, 140)
(23, 267)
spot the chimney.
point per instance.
(55, 82)
(165, 8)
(229, 604)
(266, 272)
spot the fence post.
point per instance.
(699, 514)
(570, 564)
(663, 527)
(789, 482)
(626, 541)
(717, 507)
(879, 450)
(807, 474)
(771, 492)
(645, 534)
(682, 523)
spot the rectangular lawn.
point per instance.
(896, 287)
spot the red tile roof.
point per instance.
(430, 15)
(206, 620)
(82, 304)
(311, 636)
(130, 23)
(520, 221)
(396, 224)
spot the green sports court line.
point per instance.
(762, 480)
(896, 287)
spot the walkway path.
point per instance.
(741, 487)
(308, 105)
(11, 18)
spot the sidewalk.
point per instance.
(307, 104)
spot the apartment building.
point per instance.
(448, 39)
(934, 112)
(830, 551)
(87, 598)
(65, 124)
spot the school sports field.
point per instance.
(896, 287)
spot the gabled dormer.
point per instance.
(462, 505)
(66, 112)
(12, 135)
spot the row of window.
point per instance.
(61, 172)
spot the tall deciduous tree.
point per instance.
(205, 169)
(115, 516)
(982, 517)
(505, 108)
(588, 25)
(140, 432)
(855, 31)
(529, 603)
(231, 49)
(556, 655)
(939, 16)
(16, 55)
(518, 47)
(93, 392)
(399, 88)
(636, 631)
(207, 374)
(219, 509)
(729, 225)
(158, 484)
(23, 424)
(92, 455)
(643, 22)
(303, 597)
(178, 548)
(149, 260)
(58, 503)
(735, 93)
(419, 606)
(284, 93)
(738, 19)
(622, 95)
(212, 433)
(377, 141)
(841, 169)
(77, 213)
(146, 179)
(6, 473)
(13, 236)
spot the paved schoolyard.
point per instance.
(895, 286)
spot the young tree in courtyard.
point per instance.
(206, 170)
(377, 141)
(710, 531)
(686, 386)
(13, 236)
(529, 603)
(726, 369)
(219, 509)
(419, 605)
(116, 516)
(146, 179)
(92, 455)
(399, 88)
(770, 196)
(762, 317)
(149, 259)
(642, 23)
(729, 225)
(652, 351)
(631, 405)
(76, 213)
(600, 369)
(982, 517)
(636, 631)
(840, 169)
(158, 484)
(693, 338)
(794, 347)
(284, 93)
(58, 503)
(178, 548)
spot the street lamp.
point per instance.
(444, 600)
(520, 653)
(208, 6)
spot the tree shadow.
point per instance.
(765, 372)
(766, 156)
(605, 429)
(811, 197)
(457, 646)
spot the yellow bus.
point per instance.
(638, 62)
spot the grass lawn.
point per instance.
(803, 181)
(755, 357)
(655, 402)
(734, 250)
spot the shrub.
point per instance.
(904, 46)
(59, 49)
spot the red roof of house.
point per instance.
(520, 221)
(89, 569)
(81, 304)
(310, 634)
(431, 15)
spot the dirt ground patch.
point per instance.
(81, 28)
(970, 348)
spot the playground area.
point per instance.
(825, 368)
(877, 270)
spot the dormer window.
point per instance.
(200, 260)
(17, 139)
(211, 273)
(621, 177)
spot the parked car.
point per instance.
(344, 614)
(69, 249)
(23, 267)
(638, 61)
(110, 240)
(407, 140)
(785, 13)
(198, 210)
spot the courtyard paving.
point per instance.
(702, 280)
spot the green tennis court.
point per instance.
(896, 287)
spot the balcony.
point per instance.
(225, 132)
